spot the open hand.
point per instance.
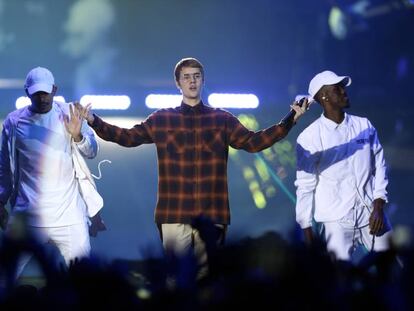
(73, 123)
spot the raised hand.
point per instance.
(85, 112)
(73, 123)
(300, 109)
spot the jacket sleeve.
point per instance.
(306, 180)
(137, 135)
(379, 168)
(88, 146)
(5, 172)
(242, 138)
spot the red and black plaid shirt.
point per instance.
(192, 146)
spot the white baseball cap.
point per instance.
(39, 79)
(326, 78)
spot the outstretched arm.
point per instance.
(135, 136)
(242, 138)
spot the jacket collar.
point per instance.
(331, 125)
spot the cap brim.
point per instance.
(40, 87)
(345, 80)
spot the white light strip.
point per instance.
(24, 101)
(221, 100)
(108, 102)
(158, 101)
(11, 83)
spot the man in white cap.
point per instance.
(341, 174)
(37, 174)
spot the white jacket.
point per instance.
(88, 147)
(339, 166)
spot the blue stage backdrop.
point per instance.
(268, 48)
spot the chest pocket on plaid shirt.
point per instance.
(176, 141)
(213, 141)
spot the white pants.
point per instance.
(344, 235)
(182, 239)
(71, 241)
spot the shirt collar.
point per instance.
(184, 108)
(331, 125)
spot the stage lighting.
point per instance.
(107, 102)
(24, 101)
(157, 101)
(355, 16)
(338, 23)
(222, 100)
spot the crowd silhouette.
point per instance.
(264, 272)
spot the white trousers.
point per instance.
(345, 235)
(71, 241)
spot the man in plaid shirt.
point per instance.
(192, 143)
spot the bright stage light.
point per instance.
(222, 100)
(24, 101)
(217, 100)
(157, 101)
(107, 102)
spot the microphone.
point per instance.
(299, 100)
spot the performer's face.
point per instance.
(190, 82)
(335, 96)
(42, 101)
